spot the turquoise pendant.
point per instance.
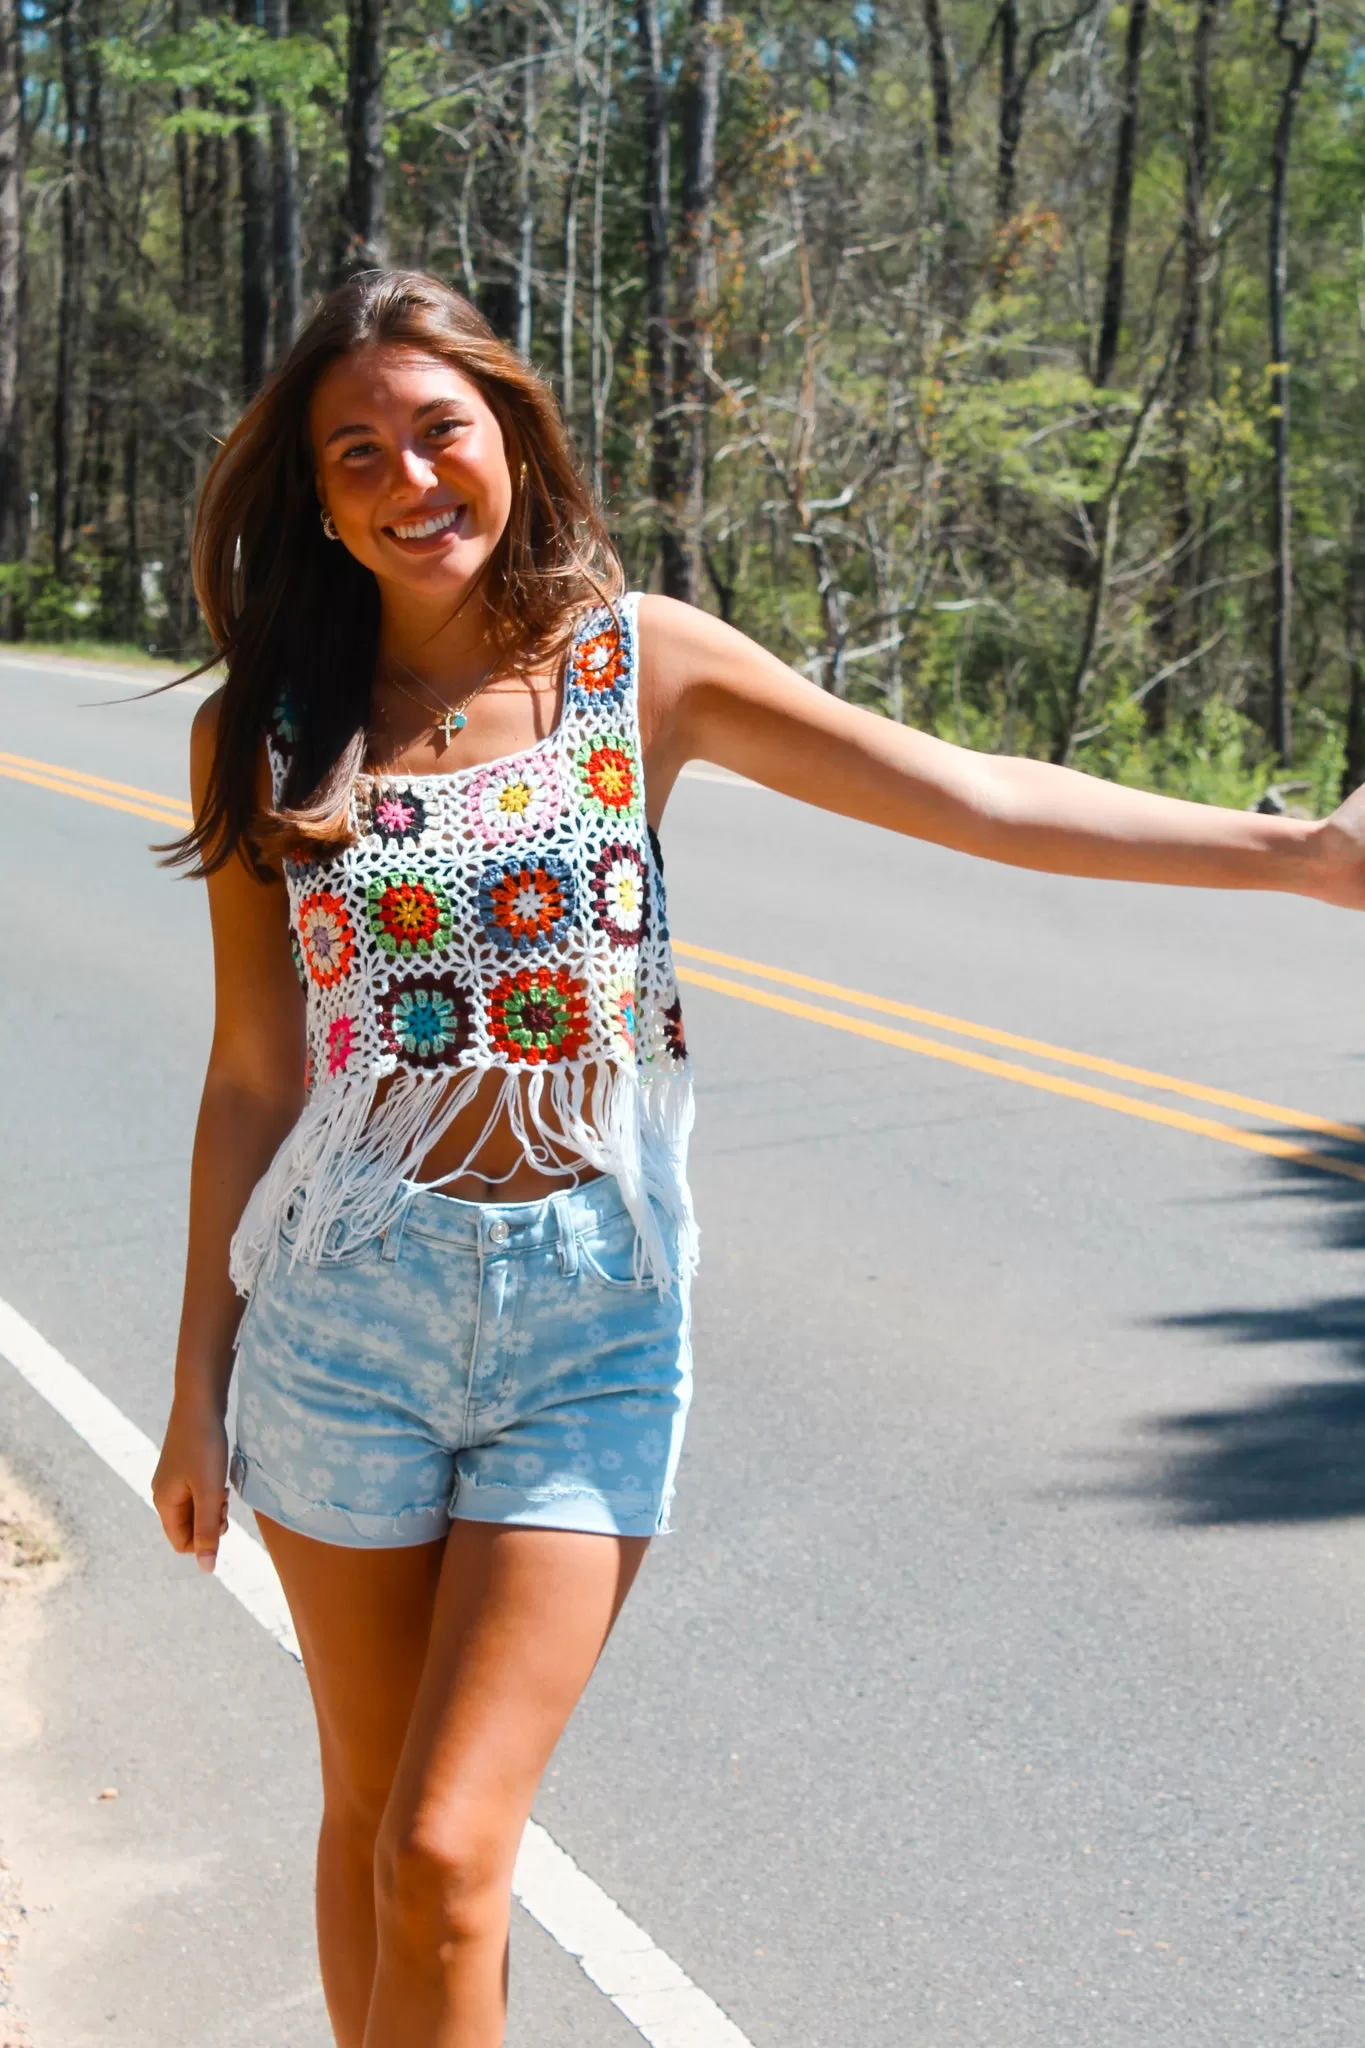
(454, 721)
(460, 721)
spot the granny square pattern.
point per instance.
(504, 920)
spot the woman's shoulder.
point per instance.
(204, 739)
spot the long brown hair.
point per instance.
(295, 618)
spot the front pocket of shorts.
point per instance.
(329, 1259)
(609, 1254)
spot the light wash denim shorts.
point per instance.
(478, 1362)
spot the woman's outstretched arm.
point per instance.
(712, 694)
(253, 1093)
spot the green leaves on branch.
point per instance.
(231, 71)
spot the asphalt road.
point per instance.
(1002, 1684)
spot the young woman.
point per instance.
(441, 1150)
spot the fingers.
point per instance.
(210, 1525)
(193, 1514)
(174, 1503)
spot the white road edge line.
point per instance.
(130, 678)
(646, 1986)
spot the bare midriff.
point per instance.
(503, 1172)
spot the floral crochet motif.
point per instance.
(408, 915)
(326, 936)
(424, 1021)
(341, 1037)
(620, 893)
(512, 799)
(600, 670)
(397, 815)
(608, 778)
(540, 1014)
(621, 1005)
(526, 904)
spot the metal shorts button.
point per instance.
(500, 1231)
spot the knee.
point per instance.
(353, 1807)
(441, 1883)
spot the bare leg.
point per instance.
(363, 1619)
(520, 1619)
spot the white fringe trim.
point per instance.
(347, 1157)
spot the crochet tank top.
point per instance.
(507, 919)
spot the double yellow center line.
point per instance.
(1031, 1077)
(95, 789)
(762, 983)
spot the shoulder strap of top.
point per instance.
(603, 671)
(278, 758)
(628, 611)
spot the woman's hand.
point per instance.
(1339, 854)
(189, 1486)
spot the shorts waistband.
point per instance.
(511, 1226)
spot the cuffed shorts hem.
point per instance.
(557, 1507)
(331, 1524)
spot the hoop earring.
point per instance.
(327, 525)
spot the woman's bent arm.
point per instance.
(253, 1093)
(717, 696)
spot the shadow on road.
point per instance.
(1298, 1454)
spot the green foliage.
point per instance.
(913, 485)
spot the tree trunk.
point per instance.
(68, 291)
(1016, 75)
(1353, 771)
(11, 276)
(364, 243)
(1178, 633)
(1009, 111)
(599, 362)
(1121, 203)
(701, 106)
(180, 145)
(1279, 722)
(526, 193)
(658, 337)
(940, 78)
(284, 208)
(254, 200)
(131, 622)
(568, 314)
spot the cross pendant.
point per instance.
(454, 721)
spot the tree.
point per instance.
(1279, 722)
(254, 201)
(1121, 204)
(365, 241)
(284, 205)
(663, 422)
(11, 277)
(701, 107)
(1177, 626)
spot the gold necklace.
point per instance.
(450, 718)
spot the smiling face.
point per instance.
(411, 465)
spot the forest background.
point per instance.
(998, 363)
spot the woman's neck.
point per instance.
(442, 648)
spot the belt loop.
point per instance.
(393, 1235)
(568, 1236)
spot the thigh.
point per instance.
(363, 1618)
(521, 1617)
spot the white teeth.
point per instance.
(420, 529)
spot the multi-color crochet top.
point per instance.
(504, 919)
